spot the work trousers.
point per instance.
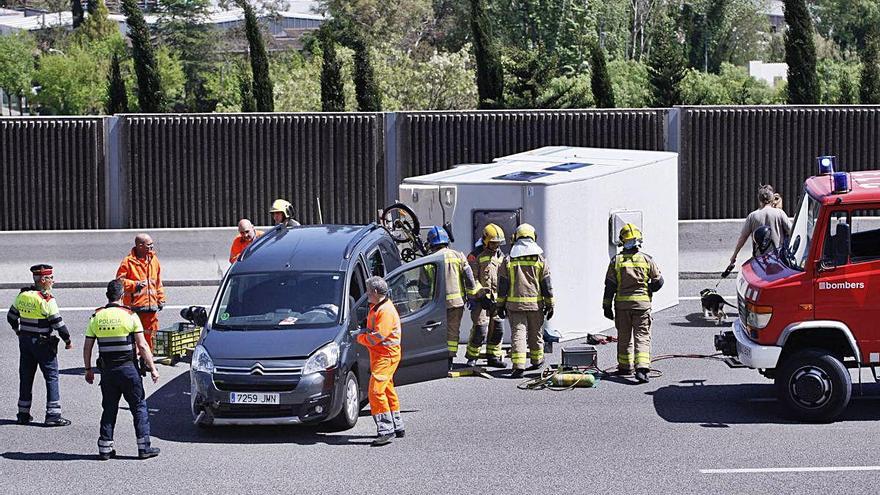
(633, 331)
(150, 322)
(526, 333)
(486, 330)
(38, 351)
(453, 329)
(123, 381)
(384, 403)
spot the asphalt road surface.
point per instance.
(699, 428)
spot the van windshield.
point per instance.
(797, 248)
(296, 299)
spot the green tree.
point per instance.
(97, 26)
(366, 89)
(869, 90)
(262, 82)
(246, 90)
(800, 54)
(600, 81)
(847, 22)
(76, 9)
(666, 65)
(332, 86)
(630, 80)
(149, 85)
(17, 62)
(117, 97)
(182, 26)
(490, 72)
(72, 82)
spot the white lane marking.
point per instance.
(697, 298)
(92, 308)
(824, 469)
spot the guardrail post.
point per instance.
(116, 194)
(673, 129)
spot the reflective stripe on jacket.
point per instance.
(114, 328)
(382, 337)
(133, 270)
(627, 280)
(459, 278)
(484, 264)
(36, 312)
(524, 283)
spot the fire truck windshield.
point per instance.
(797, 248)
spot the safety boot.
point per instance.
(148, 452)
(23, 418)
(399, 433)
(382, 440)
(494, 362)
(536, 366)
(642, 375)
(104, 456)
(517, 373)
(450, 364)
(59, 421)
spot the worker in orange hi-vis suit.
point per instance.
(382, 339)
(246, 235)
(141, 277)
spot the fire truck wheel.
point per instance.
(814, 385)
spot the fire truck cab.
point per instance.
(810, 310)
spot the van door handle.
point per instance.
(431, 325)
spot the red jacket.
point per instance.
(133, 270)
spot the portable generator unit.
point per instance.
(579, 356)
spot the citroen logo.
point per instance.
(257, 369)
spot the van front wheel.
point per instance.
(351, 405)
(814, 385)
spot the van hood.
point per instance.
(267, 344)
(767, 269)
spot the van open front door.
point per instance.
(418, 292)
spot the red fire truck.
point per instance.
(809, 312)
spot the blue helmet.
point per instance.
(437, 236)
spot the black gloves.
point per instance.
(501, 312)
(548, 311)
(609, 313)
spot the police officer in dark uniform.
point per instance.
(33, 316)
(118, 330)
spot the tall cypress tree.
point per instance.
(490, 74)
(800, 54)
(332, 87)
(366, 89)
(78, 14)
(869, 85)
(117, 99)
(246, 90)
(146, 68)
(97, 26)
(600, 81)
(666, 65)
(262, 83)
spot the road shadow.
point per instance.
(719, 406)
(697, 320)
(57, 456)
(171, 420)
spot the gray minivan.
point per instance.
(277, 344)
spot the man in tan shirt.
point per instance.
(767, 214)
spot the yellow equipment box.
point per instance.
(173, 343)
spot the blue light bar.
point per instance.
(826, 164)
(840, 182)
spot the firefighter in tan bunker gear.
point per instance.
(484, 261)
(525, 297)
(630, 281)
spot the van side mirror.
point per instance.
(195, 314)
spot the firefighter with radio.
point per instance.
(525, 297)
(630, 281)
(460, 285)
(484, 261)
(119, 331)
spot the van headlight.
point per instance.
(323, 359)
(201, 361)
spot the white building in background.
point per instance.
(300, 17)
(770, 72)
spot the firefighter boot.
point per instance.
(495, 362)
(642, 375)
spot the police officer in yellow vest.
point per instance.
(460, 286)
(33, 316)
(631, 279)
(525, 296)
(118, 330)
(484, 261)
